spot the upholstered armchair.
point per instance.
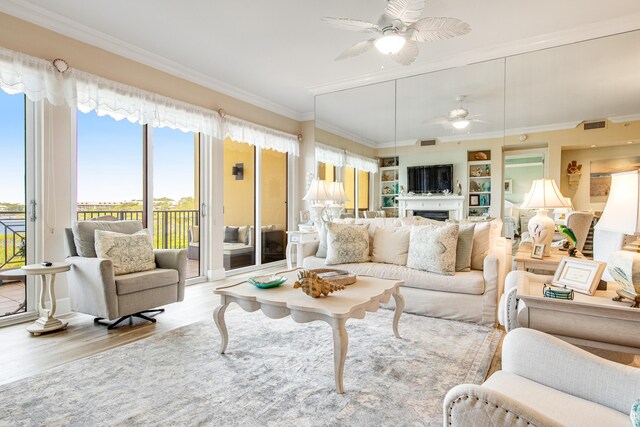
(545, 381)
(94, 288)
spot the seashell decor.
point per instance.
(314, 286)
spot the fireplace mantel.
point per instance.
(453, 204)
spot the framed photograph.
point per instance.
(537, 252)
(581, 275)
(474, 200)
(508, 186)
(305, 217)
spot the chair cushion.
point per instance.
(84, 233)
(128, 252)
(469, 282)
(566, 409)
(143, 280)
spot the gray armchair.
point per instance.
(94, 289)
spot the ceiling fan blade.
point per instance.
(357, 49)
(408, 11)
(432, 29)
(407, 54)
(478, 121)
(351, 24)
(436, 121)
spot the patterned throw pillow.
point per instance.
(433, 248)
(635, 414)
(129, 253)
(347, 243)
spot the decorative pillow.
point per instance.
(635, 414)
(84, 233)
(391, 245)
(347, 243)
(433, 248)
(129, 253)
(374, 223)
(418, 220)
(464, 248)
(231, 234)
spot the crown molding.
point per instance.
(586, 32)
(346, 134)
(623, 119)
(67, 27)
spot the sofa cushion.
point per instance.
(433, 248)
(129, 253)
(471, 282)
(347, 243)
(555, 404)
(484, 237)
(141, 281)
(84, 233)
(374, 224)
(231, 234)
(464, 249)
(391, 245)
(418, 220)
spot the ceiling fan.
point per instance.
(458, 118)
(399, 29)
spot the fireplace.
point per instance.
(437, 215)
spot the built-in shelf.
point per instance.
(478, 182)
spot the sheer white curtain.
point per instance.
(332, 155)
(260, 136)
(365, 164)
(38, 80)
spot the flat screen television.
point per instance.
(430, 179)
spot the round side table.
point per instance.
(46, 322)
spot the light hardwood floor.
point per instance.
(23, 355)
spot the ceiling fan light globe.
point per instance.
(390, 44)
(460, 124)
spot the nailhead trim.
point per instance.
(465, 397)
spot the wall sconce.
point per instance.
(238, 171)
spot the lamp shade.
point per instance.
(317, 191)
(337, 193)
(544, 194)
(623, 206)
(565, 210)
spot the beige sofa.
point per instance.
(545, 381)
(468, 296)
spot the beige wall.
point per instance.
(239, 194)
(580, 196)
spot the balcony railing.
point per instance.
(170, 227)
(170, 230)
(12, 239)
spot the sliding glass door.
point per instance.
(273, 204)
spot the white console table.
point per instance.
(453, 204)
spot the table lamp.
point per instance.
(338, 197)
(317, 196)
(544, 194)
(621, 216)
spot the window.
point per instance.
(352, 179)
(327, 172)
(13, 196)
(363, 190)
(113, 176)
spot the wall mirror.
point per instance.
(532, 115)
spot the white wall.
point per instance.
(522, 177)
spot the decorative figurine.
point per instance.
(458, 187)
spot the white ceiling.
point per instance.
(271, 53)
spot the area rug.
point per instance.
(275, 373)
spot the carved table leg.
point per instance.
(399, 307)
(218, 317)
(340, 346)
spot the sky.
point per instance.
(109, 167)
(12, 148)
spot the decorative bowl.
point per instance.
(265, 282)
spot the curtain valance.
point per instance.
(362, 163)
(38, 79)
(260, 136)
(327, 154)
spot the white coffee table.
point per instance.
(364, 295)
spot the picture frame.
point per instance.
(537, 251)
(305, 217)
(508, 186)
(474, 200)
(581, 275)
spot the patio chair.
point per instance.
(94, 289)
